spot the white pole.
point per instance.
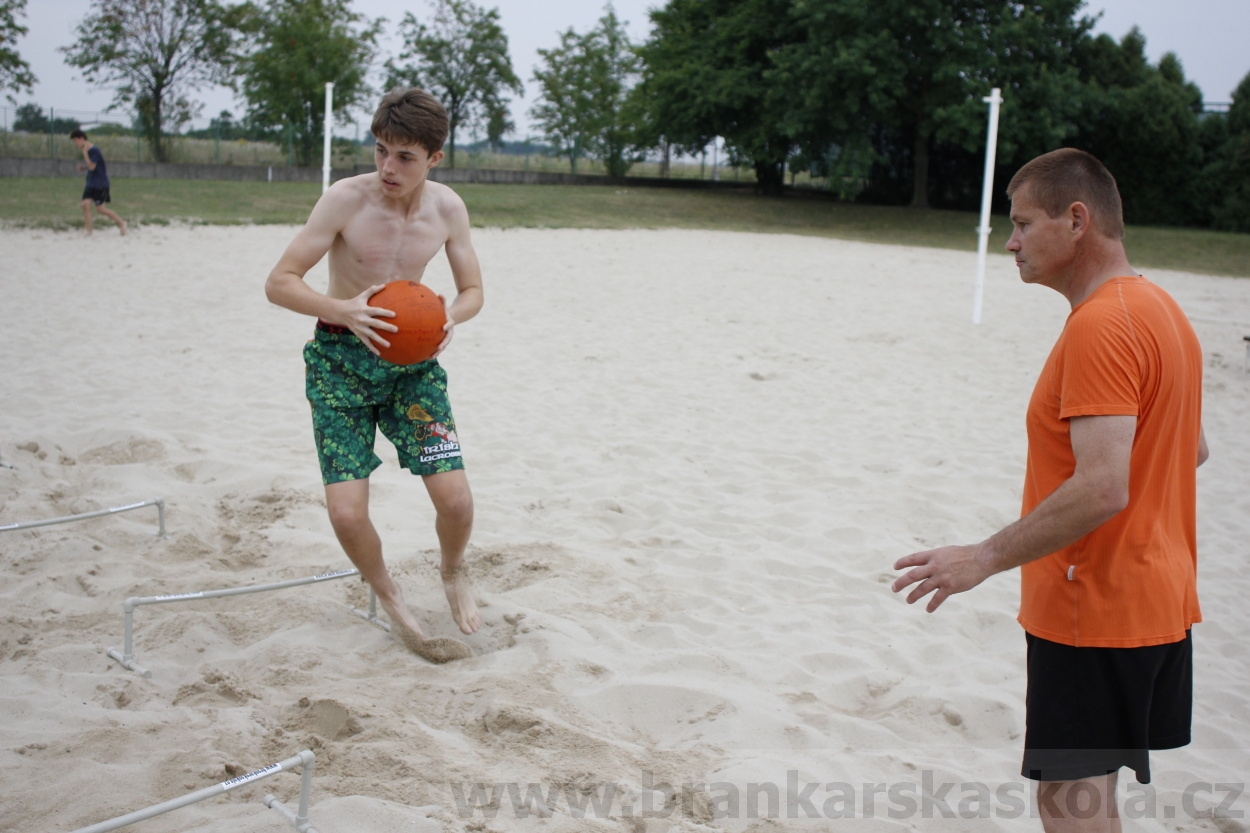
(325, 166)
(987, 195)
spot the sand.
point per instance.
(695, 456)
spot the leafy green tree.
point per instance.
(1142, 122)
(910, 76)
(154, 53)
(31, 119)
(562, 110)
(1229, 171)
(498, 125)
(225, 127)
(585, 84)
(709, 71)
(1033, 47)
(461, 58)
(293, 48)
(614, 67)
(15, 74)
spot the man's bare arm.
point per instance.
(286, 286)
(1096, 492)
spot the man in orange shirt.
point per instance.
(1106, 541)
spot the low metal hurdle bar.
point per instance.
(305, 760)
(126, 657)
(159, 503)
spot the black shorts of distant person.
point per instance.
(99, 196)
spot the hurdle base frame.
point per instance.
(305, 760)
(159, 503)
(372, 616)
(126, 656)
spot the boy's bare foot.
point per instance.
(397, 610)
(123, 226)
(460, 597)
(440, 649)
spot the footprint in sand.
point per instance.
(438, 649)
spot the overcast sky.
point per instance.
(1208, 35)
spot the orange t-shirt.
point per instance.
(1128, 349)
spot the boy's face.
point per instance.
(79, 142)
(402, 167)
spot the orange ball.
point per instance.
(420, 316)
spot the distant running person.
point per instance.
(96, 191)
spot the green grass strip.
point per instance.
(52, 203)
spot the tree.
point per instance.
(293, 48)
(916, 72)
(225, 127)
(154, 53)
(585, 90)
(562, 108)
(498, 125)
(462, 59)
(15, 74)
(30, 118)
(709, 71)
(1142, 122)
(1228, 173)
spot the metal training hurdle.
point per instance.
(159, 503)
(126, 657)
(305, 760)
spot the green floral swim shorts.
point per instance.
(353, 393)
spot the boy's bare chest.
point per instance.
(372, 253)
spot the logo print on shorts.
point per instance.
(446, 444)
(416, 412)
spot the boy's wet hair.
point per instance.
(1068, 175)
(77, 134)
(411, 116)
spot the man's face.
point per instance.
(79, 142)
(401, 167)
(1043, 245)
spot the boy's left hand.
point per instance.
(449, 329)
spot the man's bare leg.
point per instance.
(1085, 806)
(453, 506)
(348, 504)
(112, 215)
(86, 215)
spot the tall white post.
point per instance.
(325, 165)
(987, 196)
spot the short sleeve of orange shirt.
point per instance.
(1126, 350)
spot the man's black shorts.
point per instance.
(1090, 711)
(97, 195)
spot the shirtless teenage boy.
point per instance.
(377, 228)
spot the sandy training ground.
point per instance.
(695, 456)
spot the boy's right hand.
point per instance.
(365, 321)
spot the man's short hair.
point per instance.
(413, 117)
(1068, 175)
(77, 134)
